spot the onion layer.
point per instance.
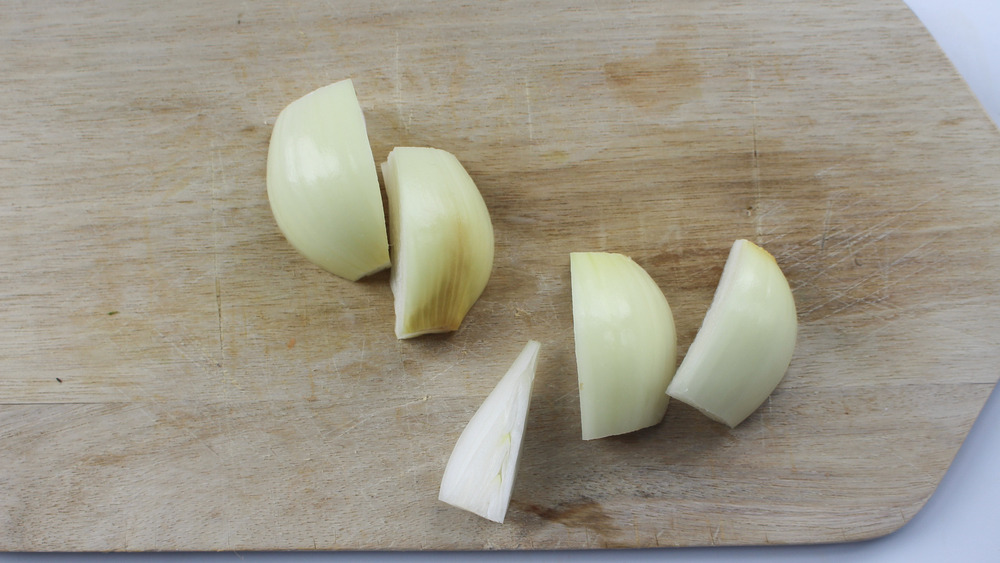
(480, 473)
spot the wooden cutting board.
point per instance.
(173, 376)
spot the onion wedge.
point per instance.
(626, 344)
(442, 240)
(479, 476)
(322, 185)
(745, 343)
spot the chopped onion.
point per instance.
(745, 343)
(479, 476)
(322, 185)
(626, 344)
(442, 240)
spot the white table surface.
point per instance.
(961, 521)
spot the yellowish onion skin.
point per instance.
(746, 342)
(322, 185)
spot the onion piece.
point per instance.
(745, 343)
(479, 476)
(442, 240)
(626, 344)
(322, 185)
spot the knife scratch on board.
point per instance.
(374, 413)
(826, 225)
(757, 223)
(398, 88)
(527, 99)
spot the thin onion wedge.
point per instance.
(479, 476)
(745, 343)
(322, 185)
(442, 240)
(626, 344)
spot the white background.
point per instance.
(961, 522)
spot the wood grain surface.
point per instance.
(173, 376)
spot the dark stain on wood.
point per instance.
(584, 514)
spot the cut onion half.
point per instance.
(745, 343)
(479, 476)
(626, 344)
(322, 185)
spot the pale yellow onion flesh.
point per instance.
(626, 344)
(441, 239)
(745, 343)
(479, 476)
(322, 184)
